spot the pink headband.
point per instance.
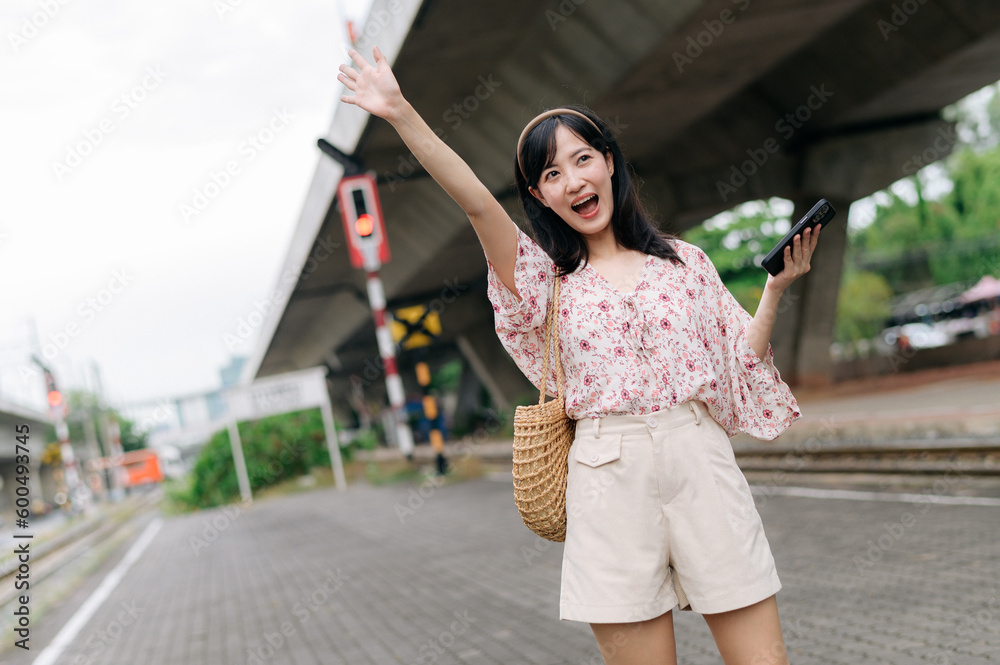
(543, 116)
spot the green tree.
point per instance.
(979, 131)
(956, 239)
(862, 306)
(131, 438)
(737, 243)
(84, 405)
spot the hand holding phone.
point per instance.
(818, 215)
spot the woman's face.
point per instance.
(576, 184)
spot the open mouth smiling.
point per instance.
(586, 206)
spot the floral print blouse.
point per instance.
(679, 335)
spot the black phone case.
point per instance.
(821, 214)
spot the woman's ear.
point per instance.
(538, 195)
(610, 162)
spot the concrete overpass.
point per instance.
(717, 102)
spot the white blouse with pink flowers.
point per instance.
(679, 335)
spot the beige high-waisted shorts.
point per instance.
(659, 516)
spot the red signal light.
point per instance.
(364, 225)
(55, 398)
(364, 228)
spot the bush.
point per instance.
(277, 448)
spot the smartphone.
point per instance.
(819, 214)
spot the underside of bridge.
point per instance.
(715, 103)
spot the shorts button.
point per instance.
(594, 457)
(651, 421)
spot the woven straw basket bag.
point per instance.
(543, 434)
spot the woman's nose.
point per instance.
(573, 180)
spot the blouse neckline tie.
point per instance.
(639, 332)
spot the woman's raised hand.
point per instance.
(375, 88)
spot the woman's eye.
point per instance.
(583, 157)
(550, 173)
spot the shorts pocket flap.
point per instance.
(594, 451)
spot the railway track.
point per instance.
(965, 456)
(53, 554)
(936, 458)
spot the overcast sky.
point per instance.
(113, 116)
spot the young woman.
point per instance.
(661, 366)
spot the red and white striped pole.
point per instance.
(387, 351)
(357, 196)
(74, 487)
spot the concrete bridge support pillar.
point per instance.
(493, 367)
(471, 317)
(841, 169)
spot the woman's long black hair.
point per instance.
(630, 222)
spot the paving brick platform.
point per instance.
(447, 574)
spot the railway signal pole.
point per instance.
(357, 196)
(416, 328)
(58, 410)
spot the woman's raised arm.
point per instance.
(376, 91)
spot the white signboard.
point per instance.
(284, 393)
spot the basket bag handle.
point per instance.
(552, 340)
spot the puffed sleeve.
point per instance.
(520, 324)
(763, 404)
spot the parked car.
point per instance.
(917, 335)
